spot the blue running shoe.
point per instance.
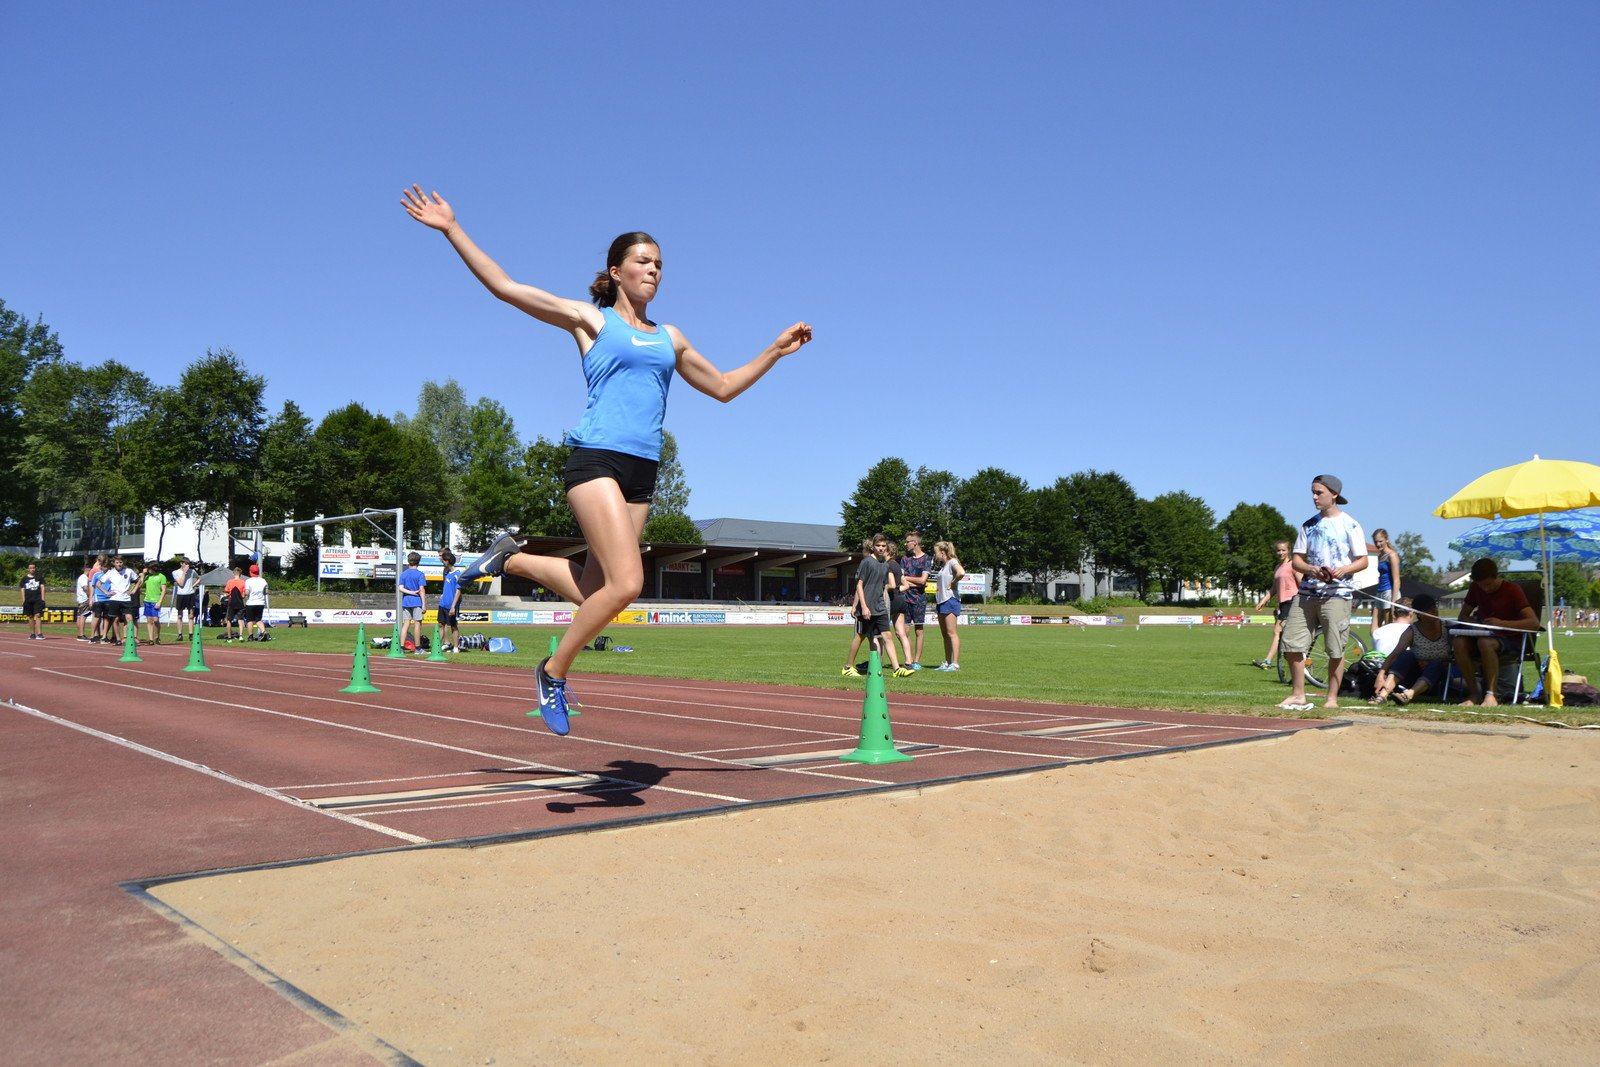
(492, 563)
(552, 700)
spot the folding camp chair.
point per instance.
(1508, 687)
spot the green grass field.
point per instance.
(1204, 669)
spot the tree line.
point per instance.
(104, 441)
(1091, 521)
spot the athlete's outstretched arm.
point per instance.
(698, 371)
(433, 211)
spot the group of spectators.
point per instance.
(890, 594)
(112, 598)
(1314, 586)
(413, 603)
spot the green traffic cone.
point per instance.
(130, 648)
(360, 676)
(395, 651)
(555, 643)
(197, 653)
(438, 646)
(877, 741)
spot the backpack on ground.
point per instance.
(1361, 677)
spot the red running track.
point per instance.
(136, 772)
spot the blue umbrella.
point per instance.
(1568, 537)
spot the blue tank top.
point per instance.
(628, 372)
(1384, 580)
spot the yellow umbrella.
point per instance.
(1530, 488)
(1526, 489)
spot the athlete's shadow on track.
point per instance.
(619, 785)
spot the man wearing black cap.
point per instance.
(1329, 549)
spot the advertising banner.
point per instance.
(828, 618)
(678, 618)
(1172, 620)
(509, 617)
(337, 561)
(338, 616)
(756, 618)
(973, 585)
(631, 618)
(13, 613)
(1094, 620)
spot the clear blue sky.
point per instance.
(1213, 247)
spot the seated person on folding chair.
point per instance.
(1493, 602)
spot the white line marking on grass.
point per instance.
(222, 776)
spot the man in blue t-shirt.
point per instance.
(412, 584)
(450, 603)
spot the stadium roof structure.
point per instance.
(755, 556)
(803, 536)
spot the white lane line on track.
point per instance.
(815, 735)
(384, 781)
(570, 739)
(603, 685)
(219, 775)
(374, 733)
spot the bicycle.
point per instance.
(1316, 675)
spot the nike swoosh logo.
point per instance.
(643, 344)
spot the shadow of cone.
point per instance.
(130, 648)
(877, 741)
(360, 673)
(395, 649)
(438, 646)
(197, 654)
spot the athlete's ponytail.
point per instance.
(603, 290)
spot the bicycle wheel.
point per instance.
(1313, 666)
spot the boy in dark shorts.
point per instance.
(233, 606)
(449, 602)
(871, 609)
(33, 602)
(917, 567)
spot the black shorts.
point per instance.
(636, 475)
(253, 612)
(897, 606)
(33, 607)
(183, 602)
(872, 625)
(113, 609)
(1283, 610)
(446, 619)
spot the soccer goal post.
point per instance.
(369, 514)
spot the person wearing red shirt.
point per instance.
(1491, 601)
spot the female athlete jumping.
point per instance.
(628, 360)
